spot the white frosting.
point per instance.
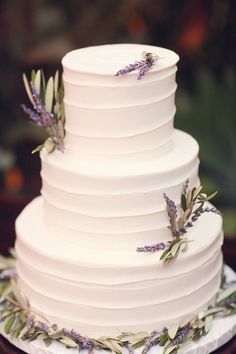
(81, 285)
(102, 198)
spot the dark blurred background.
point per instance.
(37, 33)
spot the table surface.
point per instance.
(9, 211)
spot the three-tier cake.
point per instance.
(103, 197)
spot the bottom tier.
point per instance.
(106, 293)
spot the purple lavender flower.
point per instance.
(143, 66)
(39, 115)
(30, 322)
(153, 248)
(151, 341)
(42, 326)
(171, 207)
(130, 348)
(46, 117)
(85, 342)
(8, 274)
(181, 336)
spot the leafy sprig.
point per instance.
(46, 98)
(20, 321)
(192, 207)
(142, 66)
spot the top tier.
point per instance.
(118, 117)
(106, 60)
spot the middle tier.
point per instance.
(114, 201)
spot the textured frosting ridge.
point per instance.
(76, 244)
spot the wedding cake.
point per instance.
(102, 199)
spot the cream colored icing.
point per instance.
(102, 198)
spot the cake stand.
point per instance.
(222, 331)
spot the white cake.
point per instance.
(103, 197)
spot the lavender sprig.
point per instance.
(179, 226)
(153, 248)
(85, 342)
(151, 341)
(48, 109)
(181, 335)
(143, 66)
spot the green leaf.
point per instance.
(9, 323)
(33, 74)
(225, 294)
(49, 145)
(171, 350)
(43, 84)
(212, 311)
(28, 89)
(37, 81)
(196, 192)
(208, 323)
(49, 95)
(61, 130)
(38, 148)
(166, 254)
(172, 331)
(56, 81)
(207, 198)
(183, 202)
(18, 329)
(138, 344)
(163, 339)
(183, 246)
(112, 345)
(175, 249)
(69, 342)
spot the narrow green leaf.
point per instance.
(171, 350)
(138, 344)
(37, 81)
(69, 342)
(225, 294)
(28, 89)
(208, 323)
(196, 192)
(49, 145)
(56, 81)
(209, 197)
(9, 323)
(183, 246)
(172, 331)
(38, 148)
(165, 254)
(33, 74)
(183, 202)
(175, 248)
(163, 339)
(49, 95)
(112, 345)
(18, 329)
(212, 311)
(188, 197)
(43, 86)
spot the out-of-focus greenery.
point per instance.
(209, 114)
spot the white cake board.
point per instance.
(221, 332)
